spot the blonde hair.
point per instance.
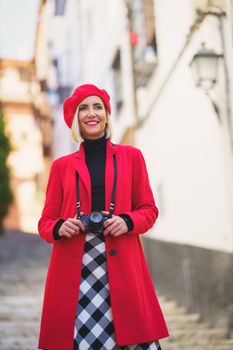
(75, 130)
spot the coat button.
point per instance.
(112, 252)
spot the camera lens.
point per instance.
(96, 217)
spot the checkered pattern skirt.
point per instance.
(94, 327)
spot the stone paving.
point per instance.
(23, 265)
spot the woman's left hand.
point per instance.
(115, 226)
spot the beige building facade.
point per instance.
(24, 109)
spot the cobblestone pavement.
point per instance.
(23, 265)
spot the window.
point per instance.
(143, 23)
(43, 85)
(142, 17)
(59, 7)
(63, 92)
(117, 80)
(150, 24)
(25, 74)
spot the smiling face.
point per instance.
(92, 118)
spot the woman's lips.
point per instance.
(92, 123)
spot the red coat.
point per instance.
(136, 312)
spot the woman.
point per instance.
(99, 293)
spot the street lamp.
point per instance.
(204, 66)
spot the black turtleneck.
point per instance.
(95, 156)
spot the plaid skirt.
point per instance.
(94, 327)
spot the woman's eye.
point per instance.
(98, 107)
(82, 108)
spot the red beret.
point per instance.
(80, 93)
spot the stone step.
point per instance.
(20, 307)
(197, 344)
(20, 300)
(172, 308)
(196, 333)
(13, 329)
(182, 318)
(200, 342)
(187, 332)
(177, 346)
(225, 341)
(21, 314)
(186, 325)
(20, 342)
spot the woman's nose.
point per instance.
(91, 111)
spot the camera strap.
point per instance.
(112, 204)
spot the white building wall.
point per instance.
(184, 144)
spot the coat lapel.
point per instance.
(84, 176)
(109, 173)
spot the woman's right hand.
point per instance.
(71, 227)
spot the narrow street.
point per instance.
(154, 79)
(23, 265)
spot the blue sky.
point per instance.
(18, 20)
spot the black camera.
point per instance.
(94, 222)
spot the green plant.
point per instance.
(6, 196)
